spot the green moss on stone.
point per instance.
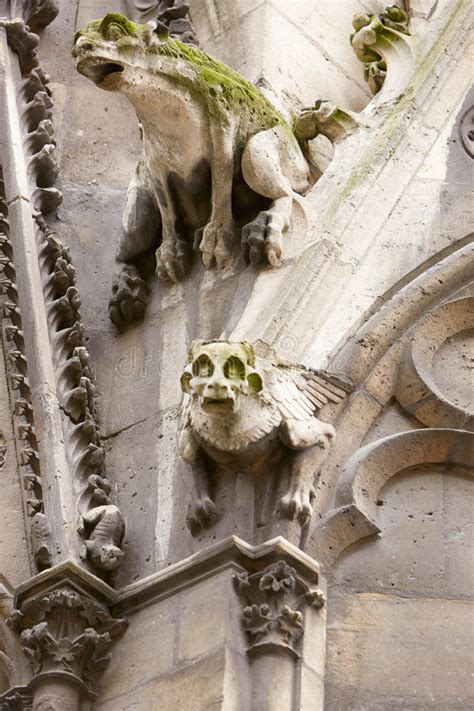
(217, 83)
(100, 27)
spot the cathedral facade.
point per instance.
(237, 373)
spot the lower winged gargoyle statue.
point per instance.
(249, 416)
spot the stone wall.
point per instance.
(374, 292)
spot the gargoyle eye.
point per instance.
(234, 368)
(203, 367)
(113, 32)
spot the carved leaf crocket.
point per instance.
(217, 157)
(252, 417)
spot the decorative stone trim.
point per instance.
(18, 698)
(100, 522)
(271, 618)
(172, 13)
(37, 14)
(373, 35)
(66, 629)
(23, 419)
(232, 553)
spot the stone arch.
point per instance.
(368, 470)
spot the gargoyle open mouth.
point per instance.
(215, 405)
(98, 71)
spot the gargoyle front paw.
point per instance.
(298, 504)
(172, 261)
(215, 244)
(262, 239)
(201, 514)
(129, 297)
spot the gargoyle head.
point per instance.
(105, 556)
(220, 373)
(111, 50)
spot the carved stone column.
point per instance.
(238, 627)
(279, 600)
(66, 632)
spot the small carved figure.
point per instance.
(368, 30)
(103, 527)
(214, 149)
(252, 420)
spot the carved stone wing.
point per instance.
(300, 394)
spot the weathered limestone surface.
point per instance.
(375, 286)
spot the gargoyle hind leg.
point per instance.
(217, 237)
(305, 465)
(141, 225)
(272, 166)
(202, 511)
(173, 256)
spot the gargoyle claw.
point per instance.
(129, 297)
(297, 504)
(262, 239)
(172, 262)
(201, 515)
(215, 245)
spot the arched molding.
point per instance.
(417, 389)
(432, 286)
(366, 473)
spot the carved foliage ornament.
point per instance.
(272, 619)
(369, 31)
(67, 632)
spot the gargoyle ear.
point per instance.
(185, 383)
(196, 346)
(161, 30)
(249, 351)
(255, 382)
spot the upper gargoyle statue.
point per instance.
(249, 416)
(217, 156)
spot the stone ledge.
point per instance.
(67, 573)
(232, 552)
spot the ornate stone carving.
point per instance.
(243, 158)
(74, 379)
(76, 391)
(23, 42)
(252, 417)
(65, 631)
(39, 13)
(327, 119)
(272, 619)
(174, 14)
(372, 32)
(35, 13)
(23, 418)
(16, 699)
